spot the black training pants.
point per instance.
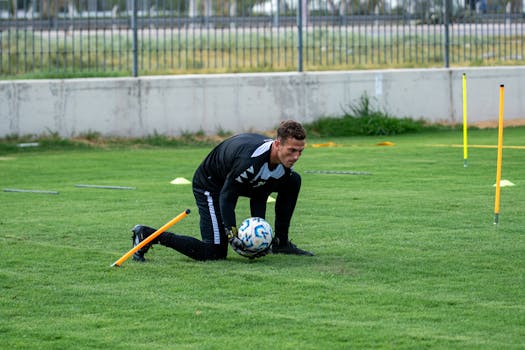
(214, 243)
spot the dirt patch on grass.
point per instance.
(494, 123)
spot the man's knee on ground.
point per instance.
(214, 252)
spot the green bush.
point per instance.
(364, 119)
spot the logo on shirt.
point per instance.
(260, 179)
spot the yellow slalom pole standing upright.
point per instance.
(151, 237)
(500, 153)
(465, 142)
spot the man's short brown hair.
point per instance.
(291, 129)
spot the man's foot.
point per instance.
(140, 233)
(289, 248)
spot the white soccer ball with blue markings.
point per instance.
(256, 234)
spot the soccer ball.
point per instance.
(256, 234)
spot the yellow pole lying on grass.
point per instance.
(465, 126)
(151, 237)
(500, 153)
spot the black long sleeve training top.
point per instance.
(240, 166)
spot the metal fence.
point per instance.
(137, 37)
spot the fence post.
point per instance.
(277, 14)
(299, 35)
(446, 23)
(134, 47)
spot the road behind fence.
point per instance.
(83, 37)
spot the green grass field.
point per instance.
(406, 258)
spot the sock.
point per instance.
(192, 247)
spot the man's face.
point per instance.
(289, 151)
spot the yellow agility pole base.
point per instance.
(500, 154)
(151, 237)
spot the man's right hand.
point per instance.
(237, 245)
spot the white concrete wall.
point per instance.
(172, 105)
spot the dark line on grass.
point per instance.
(341, 172)
(106, 187)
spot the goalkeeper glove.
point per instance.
(239, 247)
(266, 250)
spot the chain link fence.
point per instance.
(138, 37)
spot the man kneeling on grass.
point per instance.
(247, 165)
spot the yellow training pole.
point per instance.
(465, 143)
(151, 237)
(500, 153)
